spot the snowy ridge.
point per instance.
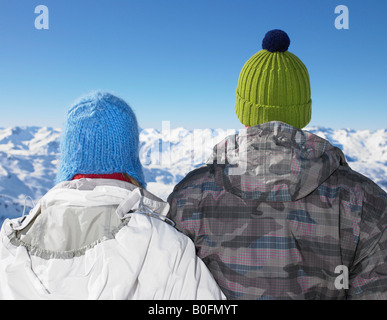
(365, 150)
(29, 158)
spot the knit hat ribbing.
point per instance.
(101, 136)
(274, 85)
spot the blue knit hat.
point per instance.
(101, 136)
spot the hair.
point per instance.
(132, 180)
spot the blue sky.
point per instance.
(179, 60)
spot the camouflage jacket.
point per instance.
(277, 213)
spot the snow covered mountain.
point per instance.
(29, 159)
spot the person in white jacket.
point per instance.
(98, 233)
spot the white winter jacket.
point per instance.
(100, 239)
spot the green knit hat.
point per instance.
(274, 85)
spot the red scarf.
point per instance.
(116, 176)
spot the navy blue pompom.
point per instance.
(276, 41)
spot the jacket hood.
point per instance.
(274, 162)
(68, 219)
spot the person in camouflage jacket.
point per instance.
(277, 213)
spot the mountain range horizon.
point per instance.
(29, 156)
